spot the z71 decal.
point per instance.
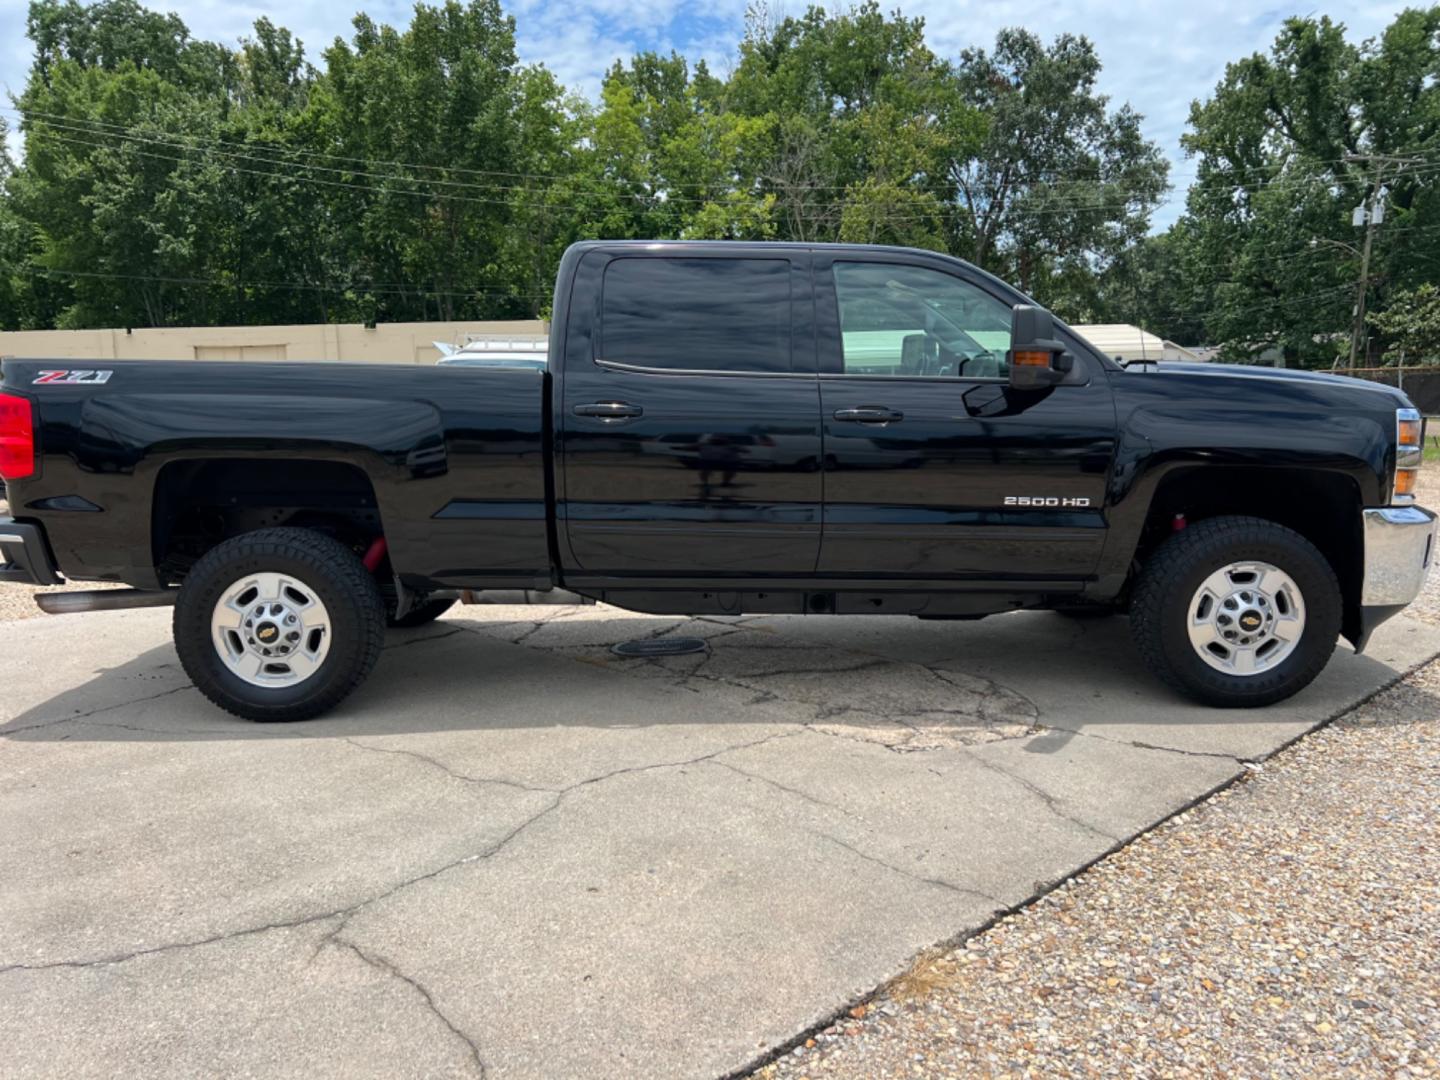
(70, 378)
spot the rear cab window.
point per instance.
(696, 314)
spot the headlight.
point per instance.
(1409, 454)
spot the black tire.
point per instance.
(1159, 609)
(422, 614)
(357, 622)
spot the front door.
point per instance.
(690, 419)
(934, 467)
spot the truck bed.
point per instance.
(451, 461)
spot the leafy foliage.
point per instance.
(1412, 325)
(422, 172)
(1287, 146)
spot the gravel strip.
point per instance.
(1288, 927)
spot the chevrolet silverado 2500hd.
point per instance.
(725, 428)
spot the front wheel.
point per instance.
(279, 624)
(1236, 612)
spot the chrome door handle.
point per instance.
(869, 414)
(609, 410)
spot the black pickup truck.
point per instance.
(725, 428)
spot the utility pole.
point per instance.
(1371, 214)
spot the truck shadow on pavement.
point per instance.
(902, 684)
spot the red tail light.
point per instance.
(17, 438)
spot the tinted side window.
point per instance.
(697, 314)
(911, 321)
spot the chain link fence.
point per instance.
(1420, 382)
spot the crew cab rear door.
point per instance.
(934, 466)
(689, 421)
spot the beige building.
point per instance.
(385, 343)
(390, 343)
(1128, 343)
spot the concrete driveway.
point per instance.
(514, 853)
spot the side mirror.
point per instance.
(1037, 359)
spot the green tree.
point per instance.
(844, 144)
(551, 195)
(427, 114)
(1287, 146)
(1060, 184)
(14, 257)
(673, 159)
(1411, 326)
(1155, 284)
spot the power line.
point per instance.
(60, 118)
(409, 288)
(28, 112)
(1270, 305)
(384, 288)
(442, 196)
(1114, 203)
(657, 202)
(1065, 204)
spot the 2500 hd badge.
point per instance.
(1044, 500)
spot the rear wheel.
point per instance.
(1236, 612)
(279, 624)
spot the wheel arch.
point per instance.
(1322, 506)
(200, 502)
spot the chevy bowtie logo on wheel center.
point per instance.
(1250, 621)
(268, 632)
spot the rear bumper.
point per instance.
(1399, 547)
(24, 555)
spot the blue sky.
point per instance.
(1159, 55)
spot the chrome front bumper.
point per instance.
(1399, 545)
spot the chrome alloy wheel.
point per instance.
(271, 630)
(1246, 618)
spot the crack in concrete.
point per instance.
(346, 913)
(387, 967)
(1052, 802)
(97, 711)
(438, 764)
(991, 715)
(174, 946)
(539, 624)
(1138, 745)
(937, 882)
(423, 640)
(797, 792)
(218, 733)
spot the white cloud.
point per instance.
(1158, 55)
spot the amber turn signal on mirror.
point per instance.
(1031, 358)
